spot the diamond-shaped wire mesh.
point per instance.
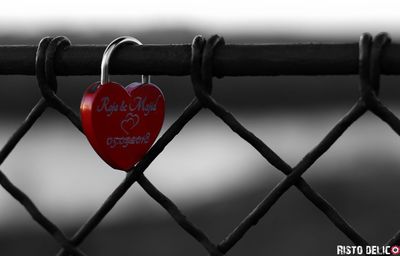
(202, 56)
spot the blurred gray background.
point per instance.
(208, 171)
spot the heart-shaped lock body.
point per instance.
(121, 123)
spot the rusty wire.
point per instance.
(370, 52)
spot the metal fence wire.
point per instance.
(202, 63)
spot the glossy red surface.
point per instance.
(121, 123)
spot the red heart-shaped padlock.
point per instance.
(121, 123)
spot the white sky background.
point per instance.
(278, 16)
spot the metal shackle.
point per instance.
(105, 77)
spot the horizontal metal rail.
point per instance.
(230, 59)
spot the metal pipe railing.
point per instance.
(230, 60)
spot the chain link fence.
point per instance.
(202, 67)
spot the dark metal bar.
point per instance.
(230, 60)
